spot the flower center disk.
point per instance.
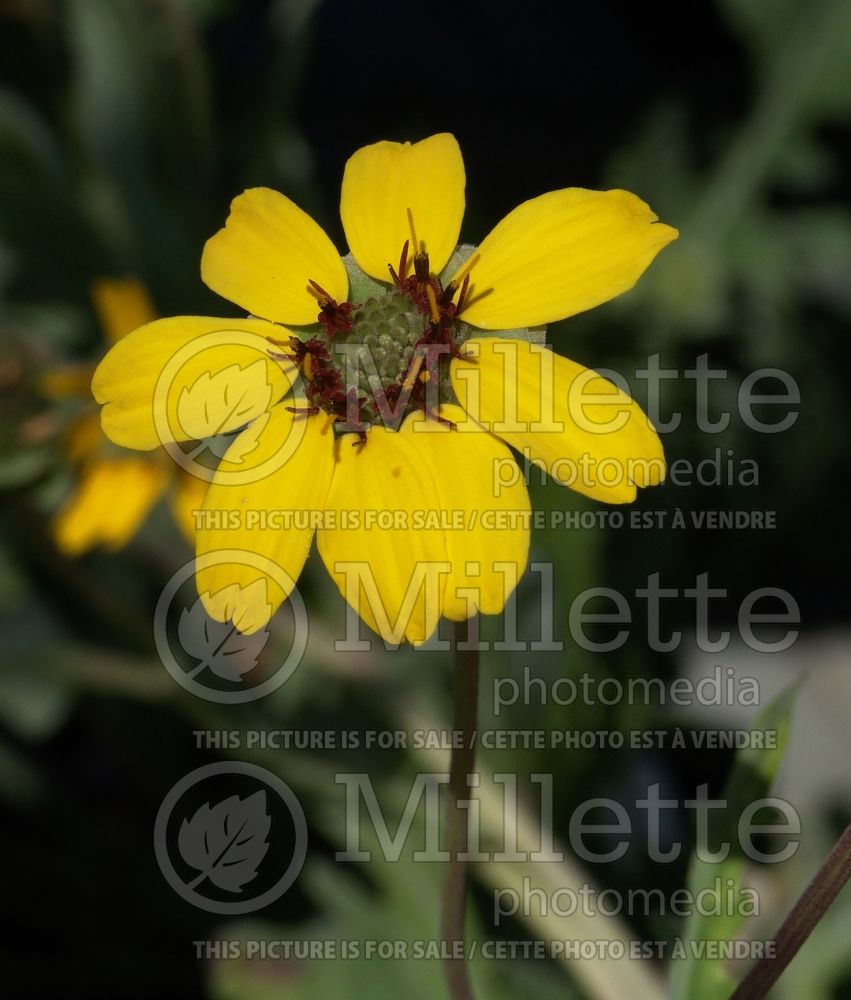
(380, 359)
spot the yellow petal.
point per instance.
(381, 182)
(187, 498)
(110, 502)
(246, 605)
(188, 376)
(559, 254)
(586, 432)
(122, 305)
(262, 527)
(484, 504)
(266, 254)
(391, 571)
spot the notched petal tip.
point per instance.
(264, 256)
(151, 379)
(383, 182)
(562, 253)
(587, 433)
(247, 607)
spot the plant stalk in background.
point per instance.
(465, 701)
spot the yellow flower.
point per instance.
(378, 412)
(114, 490)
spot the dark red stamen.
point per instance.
(303, 411)
(421, 267)
(403, 260)
(334, 316)
(323, 381)
(445, 298)
(463, 294)
(434, 415)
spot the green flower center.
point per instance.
(380, 354)
(385, 355)
(385, 331)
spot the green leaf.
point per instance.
(396, 903)
(33, 704)
(40, 226)
(706, 978)
(30, 153)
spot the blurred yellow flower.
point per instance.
(114, 490)
(391, 413)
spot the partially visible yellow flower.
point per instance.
(114, 490)
(379, 410)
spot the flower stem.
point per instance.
(797, 927)
(465, 700)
